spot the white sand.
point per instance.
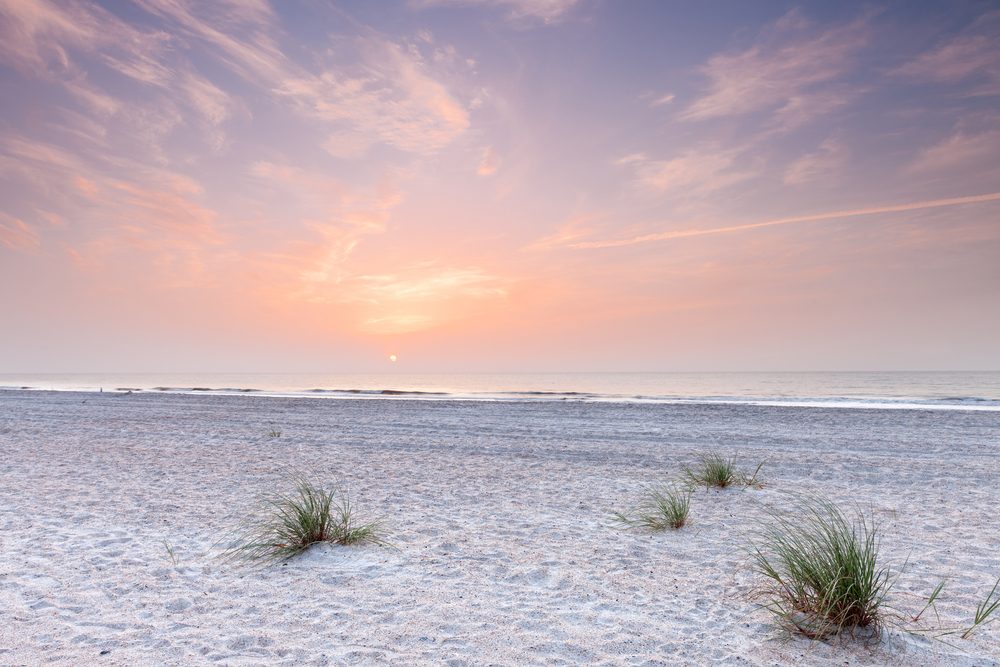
(499, 516)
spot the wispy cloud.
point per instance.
(15, 234)
(573, 229)
(971, 56)
(159, 218)
(253, 54)
(961, 148)
(212, 104)
(657, 99)
(425, 282)
(818, 217)
(824, 162)
(40, 167)
(48, 40)
(803, 107)
(34, 34)
(347, 144)
(697, 171)
(418, 297)
(391, 100)
(117, 207)
(490, 163)
(548, 11)
(169, 210)
(325, 221)
(784, 68)
(389, 96)
(662, 100)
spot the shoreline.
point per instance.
(964, 404)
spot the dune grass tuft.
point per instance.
(713, 470)
(822, 572)
(717, 471)
(985, 611)
(660, 508)
(290, 524)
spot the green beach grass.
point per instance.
(288, 524)
(660, 508)
(821, 569)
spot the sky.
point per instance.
(498, 185)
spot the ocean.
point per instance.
(979, 391)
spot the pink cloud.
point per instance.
(45, 39)
(391, 100)
(254, 55)
(973, 55)
(785, 66)
(418, 297)
(389, 97)
(573, 230)
(548, 11)
(822, 163)
(142, 211)
(33, 32)
(490, 162)
(167, 214)
(693, 172)
(662, 100)
(17, 235)
(961, 148)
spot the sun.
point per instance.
(392, 358)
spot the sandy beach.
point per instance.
(498, 512)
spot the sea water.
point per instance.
(886, 390)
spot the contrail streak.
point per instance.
(833, 215)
